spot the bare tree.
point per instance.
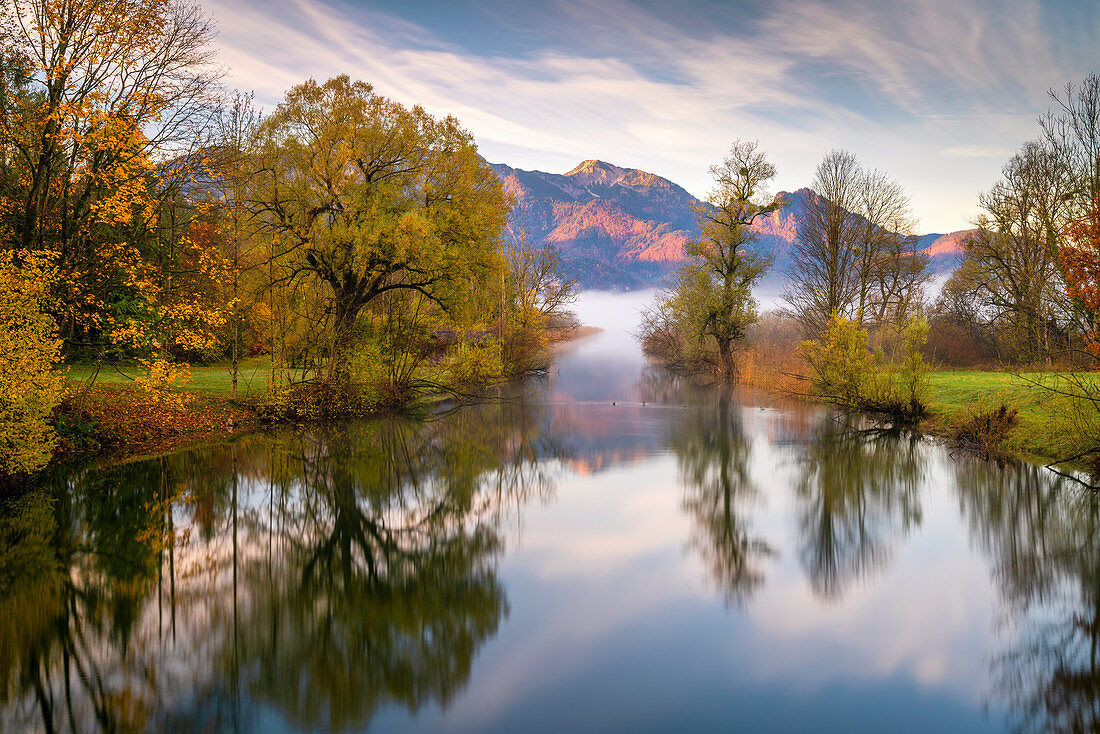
(234, 168)
(855, 254)
(898, 284)
(540, 289)
(1013, 258)
(824, 280)
(886, 269)
(1072, 130)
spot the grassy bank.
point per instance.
(253, 375)
(106, 412)
(1043, 424)
(1046, 425)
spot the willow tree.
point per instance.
(366, 197)
(710, 303)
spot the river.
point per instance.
(604, 549)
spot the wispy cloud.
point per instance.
(977, 151)
(667, 88)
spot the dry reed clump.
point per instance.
(985, 429)
(771, 360)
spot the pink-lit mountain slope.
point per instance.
(622, 228)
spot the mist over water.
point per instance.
(607, 549)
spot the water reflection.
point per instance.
(551, 560)
(858, 496)
(1042, 537)
(305, 578)
(712, 451)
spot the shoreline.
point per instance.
(960, 402)
(117, 424)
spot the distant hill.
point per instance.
(625, 229)
(616, 228)
(946, 249)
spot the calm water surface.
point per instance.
(680, 560)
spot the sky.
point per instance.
(937, 93)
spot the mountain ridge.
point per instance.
(624, 228)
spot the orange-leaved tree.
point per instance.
(99, 96)
(1080, 259)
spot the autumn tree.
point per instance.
(29, 387)
(1080, 260)
(710, 300)
(366, 197)
(101, 96)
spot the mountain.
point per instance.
(946, 249)
(622, 228)
(616, 228)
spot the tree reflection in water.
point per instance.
(713, 451)
(857, 497)
(857, 494)
(321, 574)
(317, 578)
(1043, 538)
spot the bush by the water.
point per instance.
(984, 428)
(892, 380)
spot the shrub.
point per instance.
(315, 400)
(842, 364)
(899, 387)
(985, 429)
(846, 372)
(473, 364)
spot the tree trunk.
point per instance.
(236, 330)
(343, 341)
(725, 358)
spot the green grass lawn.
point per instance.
(953, 392)
(1043, 427)
(252, 376)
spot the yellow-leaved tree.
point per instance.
(102, 103)
(371, 203)
(29, 348)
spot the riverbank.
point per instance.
(107, 413)
(121, 421)
(1022, 414)
(965, 407)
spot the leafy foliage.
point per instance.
(848, 373)
(29, 348)
(1080, 260)
(709, 304)
(365, 196)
